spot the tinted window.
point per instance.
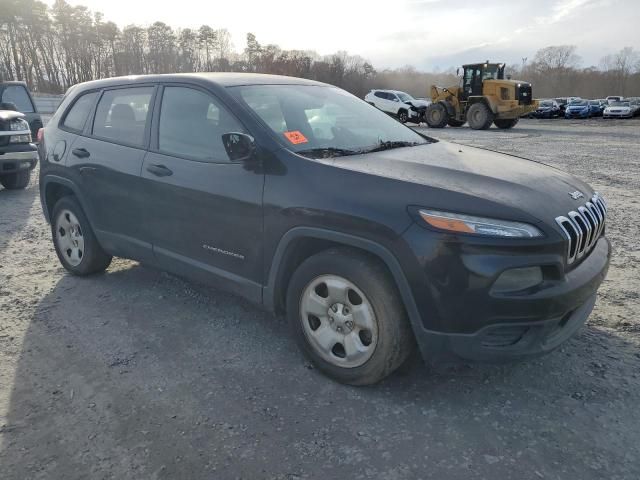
(18, 95)
(381, 95)
(192, 124)
(122, 114)
(77, 116)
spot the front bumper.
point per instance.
(617, 115)
(576, 114)
(18, 158)
(460, 318)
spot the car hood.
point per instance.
(418, 103)
(577, 107)
(6, 115)
(538, 190)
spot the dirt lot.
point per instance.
(136, 374)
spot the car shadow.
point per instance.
(138, 374)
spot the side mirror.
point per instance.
(239, 146)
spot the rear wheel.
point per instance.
(436, 115)
(479, 116)
(403, 116)
(16, 181)
(74, 240)
(506, 123)
(347, 317)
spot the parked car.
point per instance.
(578, 109)
(399, 104)
(547, 109)
(635, 106)
(370, 236)
(596, 108)
(18, 155)
(562, 103)
(16, 96)
(618, 110)
(614, 98)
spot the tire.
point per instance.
(506, 123)
(479, 116)
(75, 243)
(452, 122)
(323, 295)
(403, 116)
(436, 115)
(16, 181)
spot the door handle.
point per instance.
(159, 170)
(81, 152)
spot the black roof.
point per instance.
(223, 79)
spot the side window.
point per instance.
(77, 115)
(392, 97)
(18, 95)
(192, 124)
(382, 95)
(122, 115)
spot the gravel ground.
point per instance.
(136, 374)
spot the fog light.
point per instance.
(24, 165)
(516, 279)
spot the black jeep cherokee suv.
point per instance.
(301, 197)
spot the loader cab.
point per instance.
(475, 74)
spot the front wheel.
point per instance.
(347, 317)
(506, 123)
(403, 116)
(16, 181)
(436, 115)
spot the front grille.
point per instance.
(582, 227)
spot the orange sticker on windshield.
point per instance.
(295, 137)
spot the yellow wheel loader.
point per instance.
(483, 97)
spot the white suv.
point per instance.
(399, 104)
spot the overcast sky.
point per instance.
(393, 33)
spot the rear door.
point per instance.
(108, 159)
(205, 211)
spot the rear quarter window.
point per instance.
(76, 117)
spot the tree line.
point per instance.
(52, 48)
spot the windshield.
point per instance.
(322, 121)
(546, 104)
(405, 97)
(620, 104)
(594, 102)
(579, 102)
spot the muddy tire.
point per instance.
(479, 116)
(436, 116)
(16, 181)
(506, 123)
(347, 316)
(75, 243)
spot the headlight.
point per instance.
(20, 138)
(19, 125)
(491, 227)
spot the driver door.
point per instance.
(204, 210)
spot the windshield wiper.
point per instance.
(392, 144)
(328, 152)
